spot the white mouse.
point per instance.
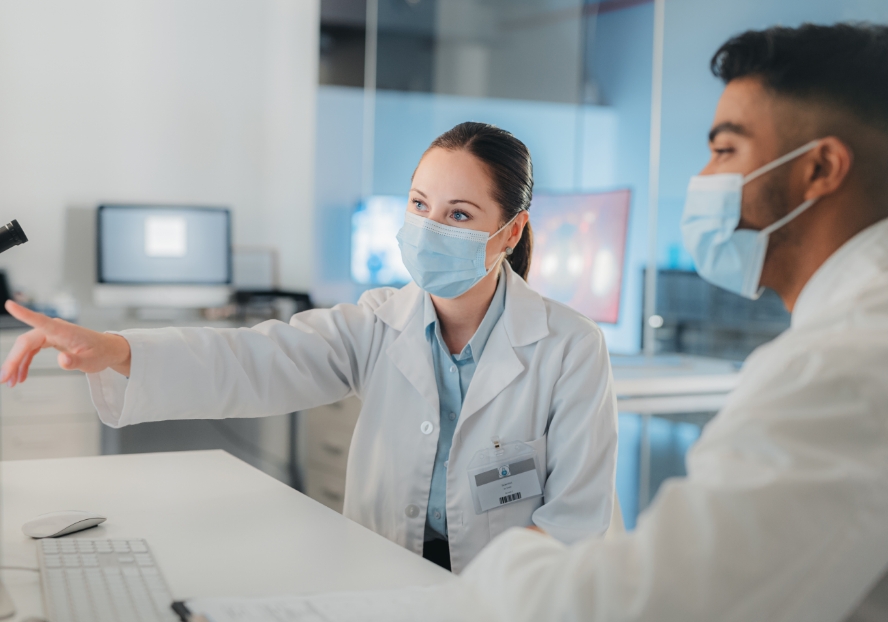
(57, 524)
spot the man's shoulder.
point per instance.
(824, 362)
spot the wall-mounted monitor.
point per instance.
(375, 256)
(579, 246)
(163, 255)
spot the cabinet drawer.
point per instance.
(56, 394)
(50, 440)
(326, 488)
(344, 412)
(325, 443)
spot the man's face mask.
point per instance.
(725, 256)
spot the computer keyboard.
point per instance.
(102, 581)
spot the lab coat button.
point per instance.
(437, 515)
(452, 368)
(411, 511)
(426, 427)
(452, 416)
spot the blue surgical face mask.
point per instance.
(445, 261)
(725, 256)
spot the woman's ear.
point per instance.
(516, 229)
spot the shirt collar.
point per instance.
(476, 344)
(847, 272)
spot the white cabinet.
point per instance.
(50, 415)
(324, 439)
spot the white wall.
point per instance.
(191, 101)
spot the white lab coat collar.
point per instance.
(849, 271)
(524, 321)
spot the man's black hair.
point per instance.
(844, 65)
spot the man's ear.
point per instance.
(828, 166)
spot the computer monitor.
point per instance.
(579, 245)
(375, 256)
(150, 255)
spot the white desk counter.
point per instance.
(672, 383)
(217, 527)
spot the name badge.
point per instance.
(506, 473)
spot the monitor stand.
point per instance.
(7, 610)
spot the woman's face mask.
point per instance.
(725, 256)
(445, 261)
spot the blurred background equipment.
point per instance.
(695, 317)
(579, 245)
(375, 255)
(163, 256)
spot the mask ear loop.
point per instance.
(789, 217)
(770, 166)
(509, 250)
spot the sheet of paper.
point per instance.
(431, 604)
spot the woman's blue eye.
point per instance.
(460, 216)
(418, 205)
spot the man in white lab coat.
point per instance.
(784, 512)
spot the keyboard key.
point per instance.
(52, 561)
(85, 546)
(138, 546)
(120, 546)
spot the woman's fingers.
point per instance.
(31, 318)
(25, 365)
(31, 341)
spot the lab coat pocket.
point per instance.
(519, 513)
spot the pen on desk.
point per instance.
(185, 614)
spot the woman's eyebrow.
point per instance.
(475, 205)
(418, 191)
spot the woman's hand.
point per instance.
(79, 348)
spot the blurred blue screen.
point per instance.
(164, 245)
(375, 256)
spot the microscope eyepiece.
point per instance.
(11, 235)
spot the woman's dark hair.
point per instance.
(511, 171)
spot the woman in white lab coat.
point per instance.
(528, 370)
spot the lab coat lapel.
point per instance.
(498, 367)
(524, 321)
(410, 352)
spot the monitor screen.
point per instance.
(579, 243)
(375, 256)
(142, 245)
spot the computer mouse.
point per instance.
(57, 524)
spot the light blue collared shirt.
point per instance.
(453, 375)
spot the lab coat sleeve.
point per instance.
(781, 517)
(274, 368)
(581, 445)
